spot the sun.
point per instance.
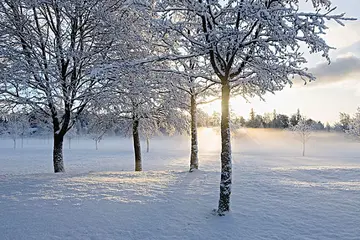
(238, 107)
(212, 107)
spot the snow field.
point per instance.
(276, 193)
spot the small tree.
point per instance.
(303, 130)
(98, 126)
(23, 126)
(344, 121)
(149, 129)
(12, 128)
(197, 89)
(141, 97)
(354, 126)
(70, 135)
(17, 126)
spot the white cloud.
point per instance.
(340, 69)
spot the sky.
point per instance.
(337, 87)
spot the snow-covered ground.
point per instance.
(277, 194)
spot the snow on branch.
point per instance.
(256, 45)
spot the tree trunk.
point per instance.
(14, 140)
(69, 143)
(226, 165)
(194, 161)
(22, 142)
(58, 153)
(137, 148)
(96, 144)
(303, 153)
(147, 144)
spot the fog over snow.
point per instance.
(277, 194)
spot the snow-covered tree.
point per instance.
(12, 128)
(17, 126)
(344, 121)
(139, 92)
(193, 81)
(253, 47)
(70, 135)
(354, 126)
(143, 101)
(24, 127)
(98, 125)
(303, 131)
(50, 49)
(148, 129)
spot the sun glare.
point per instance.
(237, 105)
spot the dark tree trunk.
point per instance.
(137, 148)
(226, 164)
(194, 161)
(59, 131)
(147, 144)
(58, 153)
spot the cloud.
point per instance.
(353, 49)
(341, 69)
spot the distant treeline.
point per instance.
(29, 124)
(273, 120)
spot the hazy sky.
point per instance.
(337, 88)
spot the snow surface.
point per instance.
(277, 194)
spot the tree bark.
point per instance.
(96, 144)
(194, 160)
(226, 162)
(147, 144)
(58, 159)
(137, 148)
